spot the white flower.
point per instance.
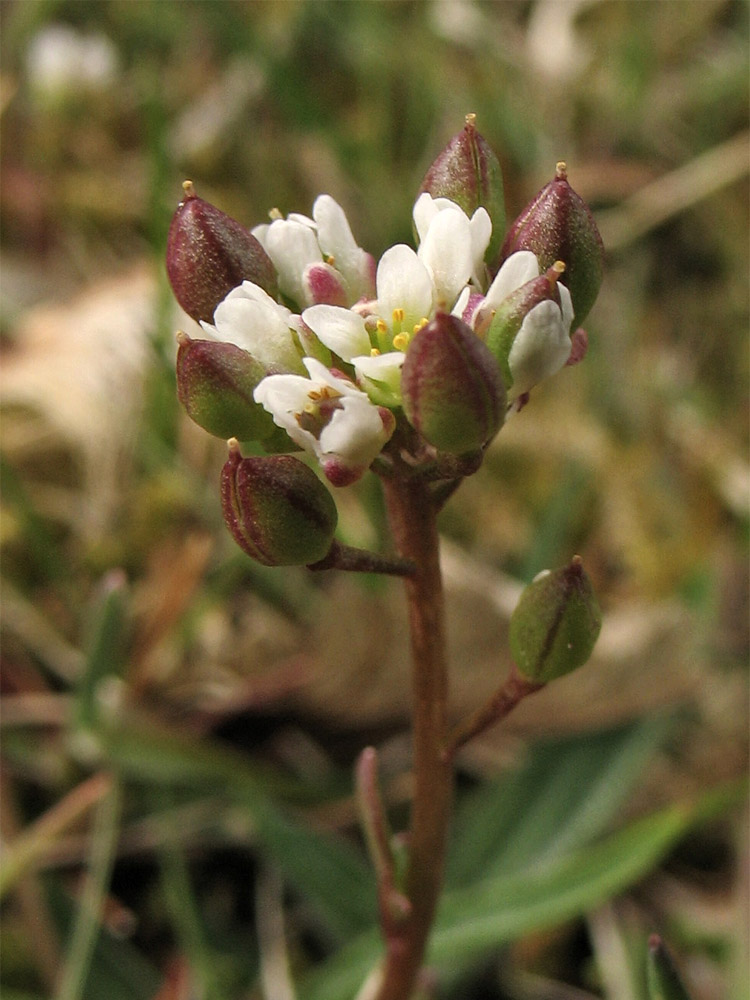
(292, 245)
(249, 318)
(296, 243)
(340, 248)
(542, 344)
(452, 246)
(405, 290)
(328, 417)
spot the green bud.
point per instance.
(215, 383)
(452, 389)
(209, 254)
(468, 173)
(277, 509)
(558, 225)
(556, 623)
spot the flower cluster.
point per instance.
(429, 346)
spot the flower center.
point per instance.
(319, 410)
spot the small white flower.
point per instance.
(340, 248)
(405, 290)
(328, 417)
(542, 345)
(451, 245)
(249, 318)
(292, 245)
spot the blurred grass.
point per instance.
(637, 459)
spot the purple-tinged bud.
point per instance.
(555, 624)
(324, 284)
(468, 173)
(277, 509)
(558, 225)
(209, 254)
(215, 384)
(529, 333)
(453, 392)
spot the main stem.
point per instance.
(413, 518)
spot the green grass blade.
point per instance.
(565, 795)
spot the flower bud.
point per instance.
(556, 623)
(452, 389)
(558, 225)
(209, 254)
(468, 173)
(277, 509)
(529, 333)
(215, 384)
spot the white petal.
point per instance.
(424, 211)
(519, 268)
(334, 233)
(403, 282)
(541, 347)
(567, 305)
(480, 226)
(251, 319)
(447, 253)
(355, 432)
(292, 246)
(341, 330)
(283, 396)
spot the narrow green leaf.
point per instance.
(105, 648)
(564, 795)
(117, 971)
(88, 918)
(499, 909)
(323, 868)
(664, 982)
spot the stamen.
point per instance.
(382, 326)
(401, 341)
(398, 316)
(374, 352)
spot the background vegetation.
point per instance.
(179, 725)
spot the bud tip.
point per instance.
(561, 170)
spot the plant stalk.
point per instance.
(413, 518)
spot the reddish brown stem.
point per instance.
(413, 516)
(510, 693)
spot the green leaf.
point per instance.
(565, 795)
(118, 971)
(664, 982)
(499, 909)
(323, 868)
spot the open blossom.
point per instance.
(318, 259)
(529, 315)
(328, 416)
(249, 318)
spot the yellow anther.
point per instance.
(374, 352)
(382, 326)
(423, 322)
(398, 315)
(401, 341)
(275, 214)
